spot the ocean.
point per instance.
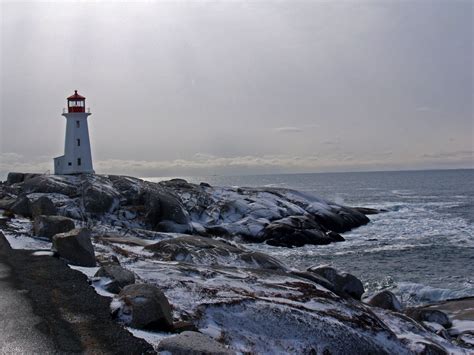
(422, 248)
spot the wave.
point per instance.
(417, 294)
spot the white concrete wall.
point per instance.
(68, 163)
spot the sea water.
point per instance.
(421, 248)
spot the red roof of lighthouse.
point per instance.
(76, 96)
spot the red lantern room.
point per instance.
(76, 103)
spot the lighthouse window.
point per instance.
(78, 142)
(69, 163)
(78, 124)
(78, 161)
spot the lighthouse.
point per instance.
(77, 158)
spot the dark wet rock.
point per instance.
(129, 189)
(15, 178)
(99, 200)
(144, 306)
(48, 226)
(192, 343)
(119, 277)
(429, 315)
(368, 211)
(344, 284)
(204, 184)
(43, 206)
(208, 251)
(183, 326)
(22, 206)
(342, 219)
(75, 246)
(336, 237)
(386, 300)
(295, 231)
(162, 206)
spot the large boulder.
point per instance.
(118, 277)
(162, 206)
(429, 315)
(99, 197)
(76, 247)
(43, 206)
(386, 300)
(192, 343)
(48, 226)
(15, 178)
(344, 284)
(22, 206)
(297, 231)
(341, 219)
(208, 251)
(144, 306)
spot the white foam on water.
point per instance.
(414, 293)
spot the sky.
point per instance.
(179, 88)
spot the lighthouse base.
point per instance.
(64, 166)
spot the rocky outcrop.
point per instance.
(343, 284)
(15, 178)
(43, 206)
(192, 343)
(143, 306)
(75, 246)
(117, 276)
(386, 300)
(208, 251)
(297, 231)
(48, 226)
(280, 217)
(245, 299)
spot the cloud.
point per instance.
(202, 164)
(456, 155)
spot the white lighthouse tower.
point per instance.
(77, 158)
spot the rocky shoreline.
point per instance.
(171, 257)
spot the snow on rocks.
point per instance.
(207, 282)
(208, 251)
(278, 216)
